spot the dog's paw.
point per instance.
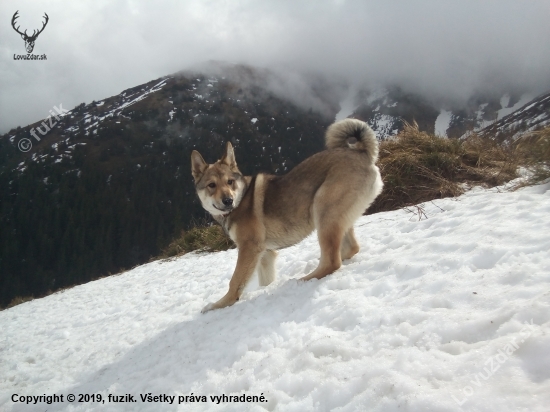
(208, 308)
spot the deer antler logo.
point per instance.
(29, 40)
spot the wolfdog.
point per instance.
(264, 213)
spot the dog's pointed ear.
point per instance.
(198, 165)
(229, 156)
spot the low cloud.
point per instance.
(444, 50)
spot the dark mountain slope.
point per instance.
(109, 185)
(534, 115)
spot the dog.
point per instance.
(328, 192)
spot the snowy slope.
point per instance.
(81, 120)
(447, 313)
(531, 116)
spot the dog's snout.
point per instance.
(227, 201)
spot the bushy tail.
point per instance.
(353, 134)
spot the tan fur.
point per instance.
(327, 192)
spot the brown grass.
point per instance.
(204, 238)
(417, 167)
(534, 150)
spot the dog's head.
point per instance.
(220, 186)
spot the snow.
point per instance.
(481, 122)
(347, 107)
(522, 121)
(505, 100)
(445, 308)
(254, 120)
(383, 124)
(442, 122)
(118, 110)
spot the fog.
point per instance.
(445, 50)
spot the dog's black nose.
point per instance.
(227, 201)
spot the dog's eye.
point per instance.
(212, 185)
(230, 181)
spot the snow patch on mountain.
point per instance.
(442, 122)
(347, 107)
(505, 100)
(533, 115)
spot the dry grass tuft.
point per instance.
(203, 238)
(534, 150)
(417, 167)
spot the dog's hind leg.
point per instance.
(349, 245)
(335, 208)
(266, 269)
(330, 240)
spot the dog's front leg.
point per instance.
(249, 255)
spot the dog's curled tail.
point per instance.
(354, 134)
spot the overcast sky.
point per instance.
(446, 49)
